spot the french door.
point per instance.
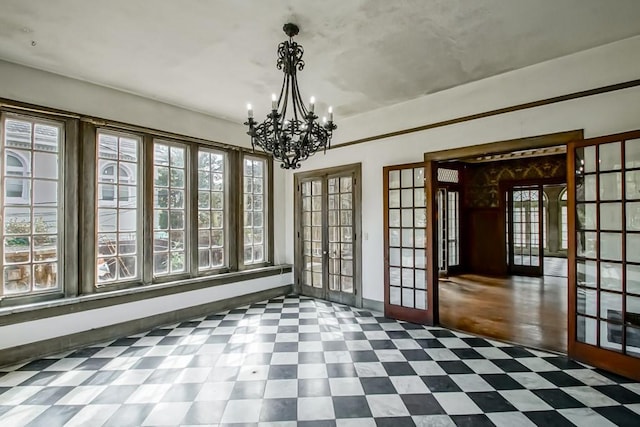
(408, 286)
(525, 229)
(604, 252)
(327, 234)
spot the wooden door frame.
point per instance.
(433, 158)
(356, 169)
(605, 359)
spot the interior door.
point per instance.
(525, 230)
(604, 252)
(407, 284)
(327, 227)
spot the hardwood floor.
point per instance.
(531, 311)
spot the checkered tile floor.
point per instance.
(299, 361)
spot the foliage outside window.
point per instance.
(30, 207)
(254, 211)
(169, 209)
(117, 223)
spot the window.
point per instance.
(131, 208)
(169, 209)
(118, 222)
(31, 208)
(212, 203)
(254, 194)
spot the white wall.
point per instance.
(597, 115)
(43, 329)
(50, 90)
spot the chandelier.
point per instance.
(293, 139)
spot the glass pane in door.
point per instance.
(312, 233)
(340, 196)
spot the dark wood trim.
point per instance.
(538, 141)
(504, 110)
(25, 313)
(56, 345)
(432, 274)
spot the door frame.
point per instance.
(540, 141)
(298, 178)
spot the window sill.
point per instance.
(62, 306)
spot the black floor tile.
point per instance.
(510, 365)
(279, 410)
(491, 401)
(55, 416)
(501, 381)
(283, 372)
(619, 415)
(558, 399)
(377, 385)
(548, 419)
(440, 383)
(351, 407)
(395, 422)
(422, 404)
(339, 370)
(395, 369)
(248, 390)
(560, 379)
(619, 394)
(475, 420)
(455, 367)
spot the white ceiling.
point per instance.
(214, 56)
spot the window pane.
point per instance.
(169, 171)
(211, 210)
(118, 257)
(30, 206)
(254, 195)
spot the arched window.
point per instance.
(564, 232)
(16, 166)
(108, 176)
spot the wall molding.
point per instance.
(373, 305)
(36, 350)
(524, 106)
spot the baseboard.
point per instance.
(37, 350)
(373, 305)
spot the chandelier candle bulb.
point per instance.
(249, 111)
(290, 133)
(330, 114)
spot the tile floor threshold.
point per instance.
(298, 361)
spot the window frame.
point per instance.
(67, 224)
(188, 209)
(267, 209)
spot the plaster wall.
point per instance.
(598, 115)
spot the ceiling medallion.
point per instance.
(293, 139)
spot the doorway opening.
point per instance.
(502, 245)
